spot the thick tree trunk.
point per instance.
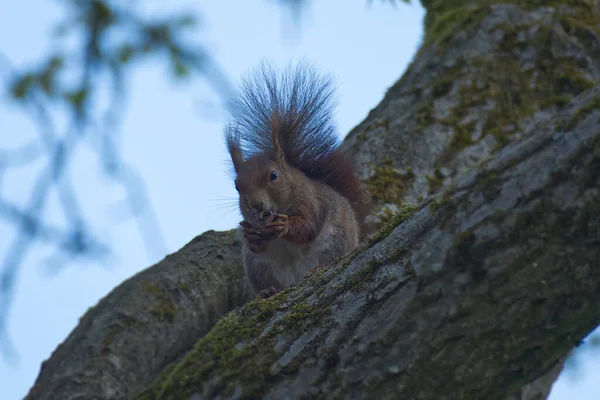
(480, 294)
(487, 71)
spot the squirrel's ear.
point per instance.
(233, 147)
(275, 128)
(236, 158)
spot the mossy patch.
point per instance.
(402, 215)
(298, 313)
(360, 138)
(111, 332)
(499, 90)
(119, 324)
(436, 181)
(388, 185)
(366, 274)
(185, 287)
(381, 123)
(165, 308)
(444, 18)
(443, 202)
(517, 94)
(239, 350)
(462, 136)
(232, 348)
(386, 213)
(377, 123)
(262, 309)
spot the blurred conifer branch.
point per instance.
(71, 84)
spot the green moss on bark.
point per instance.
(230, 349)
(117, 326)
(444, 201)
(402, 215)
(388, 186)
(165, 308)
(499, 90)
(297, 314)
(436, 181)
(445, 18)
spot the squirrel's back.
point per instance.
(303, 102)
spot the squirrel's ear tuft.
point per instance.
(233, 147)
(236, 158)
(275, 129)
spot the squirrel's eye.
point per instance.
(273, 175)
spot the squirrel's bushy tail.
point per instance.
(303, 102)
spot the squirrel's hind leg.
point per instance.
(260, 274)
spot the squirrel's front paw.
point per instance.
(276, 226)
(252, 237)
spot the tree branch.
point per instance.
(146, 322)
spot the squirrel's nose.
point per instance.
(256, 206)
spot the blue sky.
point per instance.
(172, 136)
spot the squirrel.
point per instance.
(302, 202)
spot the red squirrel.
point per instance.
(301, 200)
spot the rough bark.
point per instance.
(481, 291)
(490, 255)
(486, 72)
(146, 322)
